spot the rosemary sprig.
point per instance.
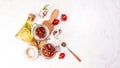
(36, 43)
(45, 7)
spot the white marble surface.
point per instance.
(92, 31)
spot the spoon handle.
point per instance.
(74, 55)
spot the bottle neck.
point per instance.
(31, 17)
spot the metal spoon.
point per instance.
(63, 44)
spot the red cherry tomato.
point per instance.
(55, 22)
(63, 17)
(62, 55)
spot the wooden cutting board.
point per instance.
(49, 24)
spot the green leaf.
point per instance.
(45, 7)
(36, 43)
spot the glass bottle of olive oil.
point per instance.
(25, 33)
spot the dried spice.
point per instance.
(60, 31)
(63, 44)
(55, 32)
